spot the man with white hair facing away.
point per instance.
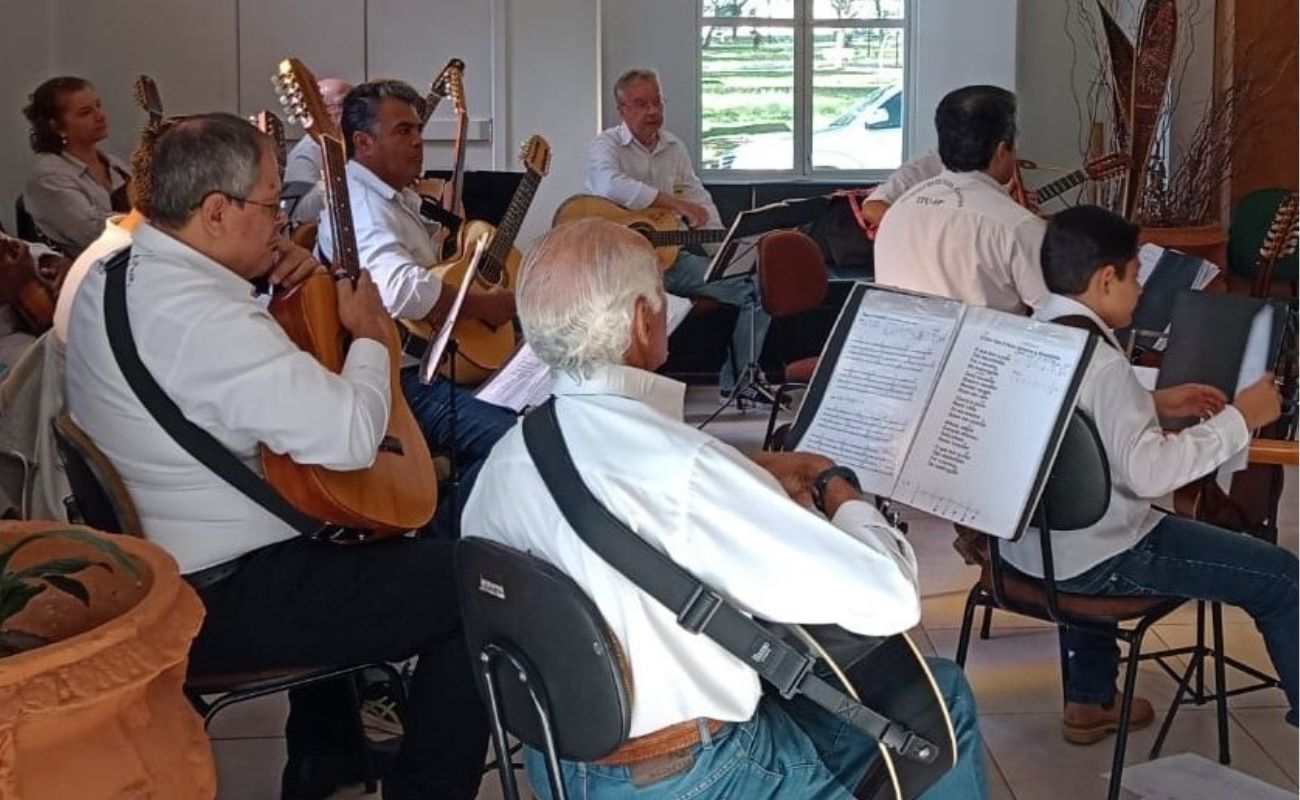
(591, 301)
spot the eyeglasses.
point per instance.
(279, 207)
(643, 105)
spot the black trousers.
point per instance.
(301, 603)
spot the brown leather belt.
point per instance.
(665, 741)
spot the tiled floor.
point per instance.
(1015, 675)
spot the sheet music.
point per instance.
(990, 421)
(881, 384)
(1254, 365)
(1149, 256)
(432, 358)
(525, 380)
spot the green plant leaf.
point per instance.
(57, 566)
(70, 586)
(16, 599)
(100, 543)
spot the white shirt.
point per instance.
(717, 514)
(233, 372)
(922, 168)
(393, 241)
(621, 169)
(65, 200)
(1145, 462)
(303, 164)
(113, 238)
(961, 235)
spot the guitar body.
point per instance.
(889, 676)
(582, 206)
(480, 348)
(399, 492)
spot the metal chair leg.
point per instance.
(1220, 681)
(987, 623)
(967, 617)
(1125, 708)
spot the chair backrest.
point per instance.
(100, 494)
(525, 606)
(1077, 493)
(792, 275)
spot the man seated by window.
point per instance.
(592, 305)
(638, 164)
(1090, 264)
(274, 599)
(959, 234)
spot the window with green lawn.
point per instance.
(802, 87)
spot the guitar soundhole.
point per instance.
(391, 444)
(642, 228)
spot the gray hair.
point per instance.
(632, 76)
(198, 156)
(578, 291)
(361, 106)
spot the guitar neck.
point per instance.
(678, 238)
(1062, 184)
(453, 194)
(344, 257)
(495, 258)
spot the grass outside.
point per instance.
(748, 86)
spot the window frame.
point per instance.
(803, 23)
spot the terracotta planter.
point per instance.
(100, 713)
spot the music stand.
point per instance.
(441, 346)
(737, 257)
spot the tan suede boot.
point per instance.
(1084, 723)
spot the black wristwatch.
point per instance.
(823, 480)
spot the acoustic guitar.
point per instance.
(1110, 165)
(482, 349)
(33, 288)
(451, 195)
(438, 89)
(661, 226)
(398, 493)
(269, 123)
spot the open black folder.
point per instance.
(1224, 340)
(954, 410)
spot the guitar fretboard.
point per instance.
(1062, 184)
(495, 258)
(676, 238)
(345, 258)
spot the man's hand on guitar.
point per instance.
(495, 306)
(361, 310)
(696, 215)
(795, 472)
(293, 265)
(1189, 400)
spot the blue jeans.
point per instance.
(786, 751)
(1186, 558)
(685, 278)
(478, 427)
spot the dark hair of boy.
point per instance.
(1082, 240)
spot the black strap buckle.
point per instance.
(699, 609)
(910, 745)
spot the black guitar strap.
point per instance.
(698, 607)
(200, 444)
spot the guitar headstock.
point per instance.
(148, 98)
(1283, 232)
(536, 155)
(1106, 166)
(302, 102)
(269, 122)
(447, 83)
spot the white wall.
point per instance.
(529, 67)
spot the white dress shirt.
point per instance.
(303, 164)
(961, 235)
(922, 168)
(1145, 462)
(113, 238)
(393, 241)
(65, 200)
(717, 514)
(621, 169)
(233, 372)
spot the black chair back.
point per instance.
(1077, 493)
(533, 627)
(102, 500)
